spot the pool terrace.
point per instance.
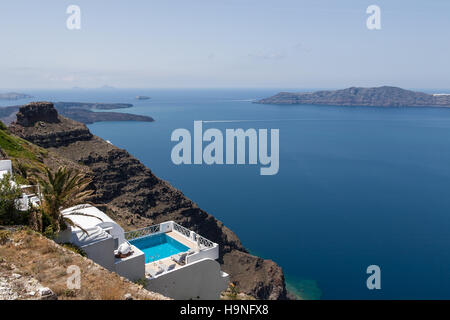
(169, 246)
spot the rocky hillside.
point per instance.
(35, 268)
(377, 97)
(135, 197)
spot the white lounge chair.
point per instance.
(166, 267)
(180, 258)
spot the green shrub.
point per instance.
(49, 233)
(3, 126)
(141, 282)
(46, 220)
(9, 214)
(74, 248)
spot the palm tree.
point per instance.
(63, 189)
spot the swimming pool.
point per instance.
(158, 246)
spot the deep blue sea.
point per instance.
(357, 186)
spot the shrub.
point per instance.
(49, 232)
(4, 236)
(141, 282)
(74, 248)
(3, 126)
(9, 214)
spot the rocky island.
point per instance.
(14, 96)
(134, 197)
(374, 97)
(143, 97)
(82, 112)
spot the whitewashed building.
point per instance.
(173, 260)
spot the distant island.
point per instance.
(82, 112)
(374, 97)
(90, 105)
(14, 96)
(143, 97)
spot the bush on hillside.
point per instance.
(9, 214)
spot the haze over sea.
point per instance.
(357, 185)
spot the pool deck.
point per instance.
(182, 240)
(153, 266)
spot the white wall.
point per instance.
(211, 253)
(133, 267)
(6, 165)
(202, 280)
(101, 252)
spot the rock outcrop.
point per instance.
(376, 97)
(40, 123)
(135, 197)
(34, 112)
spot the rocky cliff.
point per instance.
(40, 123)
(377, 97)
(135, 197)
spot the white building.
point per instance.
(175, 261)
(5, 168)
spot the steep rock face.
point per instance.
(34, 112)
(377, 97)
(136, 198)
(40, 123)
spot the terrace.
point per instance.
(169, 246)
(173, 260)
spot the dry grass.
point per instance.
(43, 259)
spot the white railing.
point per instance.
(184, 231)
(202, 241)
(130, 235)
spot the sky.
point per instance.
(224, 43)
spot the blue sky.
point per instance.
(224, 43)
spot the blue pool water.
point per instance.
(158, 246)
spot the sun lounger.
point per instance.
(166, 267)
(180, 258)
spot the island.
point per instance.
(143, 97)
(14, 96)
(384, 96)
(82, 112)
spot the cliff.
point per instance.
(376, 97)
(40, 123)
(135, 197)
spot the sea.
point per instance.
(356, 186)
